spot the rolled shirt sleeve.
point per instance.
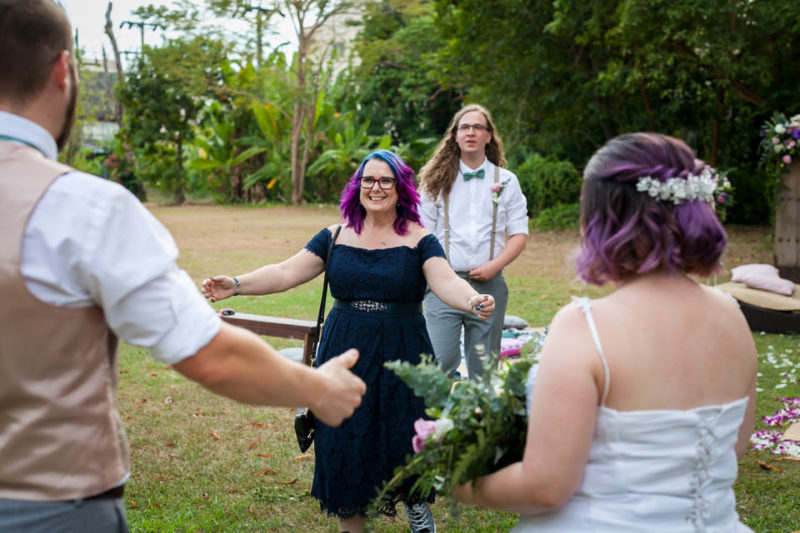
(516, 208)
(91, 242)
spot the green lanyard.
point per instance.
(16, 140)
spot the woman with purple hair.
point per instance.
(643, 400)
(381, 261)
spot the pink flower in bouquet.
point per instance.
(787, 159)
(424, 429)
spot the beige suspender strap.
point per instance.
(494, 213)
(446, 229)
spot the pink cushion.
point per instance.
(510, 347)
(764, 277)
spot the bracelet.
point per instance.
(236, 285)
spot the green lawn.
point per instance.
(204, 463)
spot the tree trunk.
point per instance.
(298, 178)
(180, 189)
(109, 29)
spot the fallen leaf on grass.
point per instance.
(170, 445)
(257, 425)
(788, 458)
(292, 482)
(250, 508)
(264, 472)
(253, 444)
(264, 455)
(301, 457)
(216, 437)
(133, 504)
(767, 466)
(168, 400)
(153, 375)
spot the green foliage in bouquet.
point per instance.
(477, 427)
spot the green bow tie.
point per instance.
(477, 174)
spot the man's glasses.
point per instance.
(463, 128)
(383, 183)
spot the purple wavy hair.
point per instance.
(407, 195)
(626, 232)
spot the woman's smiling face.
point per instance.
(377, 199)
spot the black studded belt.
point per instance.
(376, 306)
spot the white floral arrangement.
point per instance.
(710, 186)
(780, 141)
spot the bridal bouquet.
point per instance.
(476, 427)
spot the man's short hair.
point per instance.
(32, 35)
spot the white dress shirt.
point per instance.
(470, 216)
(91, 242)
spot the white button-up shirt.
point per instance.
(470, 208)
(91, 242)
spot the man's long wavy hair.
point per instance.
(439, 174)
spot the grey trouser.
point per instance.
(444, 327)
(103, 515)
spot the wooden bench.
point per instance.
(274, 326)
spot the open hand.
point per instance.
(218, 288)
(343, 389)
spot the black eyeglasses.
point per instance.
(383, 183)
(463, 128)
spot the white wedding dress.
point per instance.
(652, 471)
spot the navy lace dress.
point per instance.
(353, 460)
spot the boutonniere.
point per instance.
(497, 190)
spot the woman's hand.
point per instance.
(218, 288)
(482, 305)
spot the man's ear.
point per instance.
(60, 74)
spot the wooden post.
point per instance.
(787, 224)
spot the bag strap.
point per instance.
(321, 314)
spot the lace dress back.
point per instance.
(655, 470)
(353, 460)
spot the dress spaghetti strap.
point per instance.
(585, 305)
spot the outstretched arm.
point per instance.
(239, 365)
(454, 291)
(298, 269)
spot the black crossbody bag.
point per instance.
(304, 421)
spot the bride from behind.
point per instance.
(643, 401)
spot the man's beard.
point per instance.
(69, 112)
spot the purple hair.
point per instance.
(626, 232)
(407, 195)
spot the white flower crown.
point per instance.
(680, 190)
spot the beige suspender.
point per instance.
(447, 220)
(494, 213)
